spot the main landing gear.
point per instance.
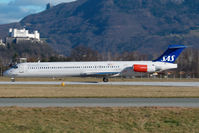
(105, 79)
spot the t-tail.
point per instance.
(171, 54)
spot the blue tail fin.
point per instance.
(171, 54)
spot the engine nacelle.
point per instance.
(143, 68)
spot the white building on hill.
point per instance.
(1, 43)
(23, 33)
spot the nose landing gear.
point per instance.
(12, 79)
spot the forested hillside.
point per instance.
(117, 26)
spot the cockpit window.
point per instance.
(15, 66)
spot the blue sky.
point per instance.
(15, 10)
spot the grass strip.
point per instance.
(103, 91)
(99, 120)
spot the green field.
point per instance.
(100, 91)
(99, 120)
(97, 90)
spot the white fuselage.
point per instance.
(64, 69)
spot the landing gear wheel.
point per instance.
(105, 79)
(12, 79)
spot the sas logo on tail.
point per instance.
(168, 58)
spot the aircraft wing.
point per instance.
(127, 69)
(100, 74)
(111, 74)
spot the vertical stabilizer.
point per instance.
(171, 54)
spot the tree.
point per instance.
(83, 53)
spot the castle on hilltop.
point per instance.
(22, 35)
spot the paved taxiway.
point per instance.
(99, 102)
(188, 84)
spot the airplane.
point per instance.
(103, 69)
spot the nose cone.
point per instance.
(5, 74)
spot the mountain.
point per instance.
(116, 26)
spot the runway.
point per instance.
(177, 84)
(99, 102)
